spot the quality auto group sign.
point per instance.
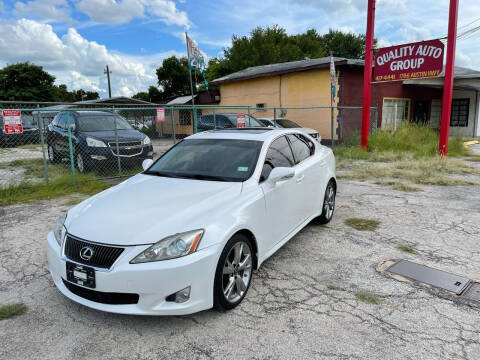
(409, 61)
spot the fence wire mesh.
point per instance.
(98, 141)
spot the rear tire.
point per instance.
(81, 163)
(52, 155)
(234, 273)
(328, 205)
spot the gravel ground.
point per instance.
(291, 310)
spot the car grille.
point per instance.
(103, 256)
(125, 143)
(102, 297)
(126, 148)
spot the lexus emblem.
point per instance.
(86, 253)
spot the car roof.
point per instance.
(258, 134)
(92, 112)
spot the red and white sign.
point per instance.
(409, 61)
(12, 121)
(160, 115)
(241, 121)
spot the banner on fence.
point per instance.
(12, 121)
(241, 121)
(160, 115)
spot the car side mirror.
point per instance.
(147, 163)
(280, 174)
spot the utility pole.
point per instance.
(108, 72)
(367, 72)
(448, 82)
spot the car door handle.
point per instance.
(300, 179)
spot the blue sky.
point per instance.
(74, 39)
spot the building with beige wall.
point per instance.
(298, 84)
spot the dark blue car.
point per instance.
(94, 140)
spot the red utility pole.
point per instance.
(448, 83)
(367, 72)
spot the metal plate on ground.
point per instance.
(427, 275)
(473, 292)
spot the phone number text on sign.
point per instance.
(12, 121)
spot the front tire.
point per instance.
(80, 163)
(234, 273)
(328, 206)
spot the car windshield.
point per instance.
(285, 123)
(250, 121)
(102, 123)
(209, 159)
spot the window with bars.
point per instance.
(459, 116)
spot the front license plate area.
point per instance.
(81, 275)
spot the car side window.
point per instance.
(302, 147)
(62, 121)
(206, 121)
(55, 119)
(223, 122)
(279, 154)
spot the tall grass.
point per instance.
(417, 141)
(27, 191)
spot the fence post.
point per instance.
(119, 163)
(376, 120)
(172, 115)
(214, 119)
(332, 125)
(275, 116)
(40, 127)
(70, 147)
(195, 129)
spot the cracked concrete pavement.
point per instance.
(291, 310)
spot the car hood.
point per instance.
(144, 209)
(123, 135)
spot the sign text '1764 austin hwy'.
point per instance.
(409, 61)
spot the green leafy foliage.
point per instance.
(272, 45)
(29, 82)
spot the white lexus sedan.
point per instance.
(186, 234)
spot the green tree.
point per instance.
(173, 77)
(26, 82)
(61, 94)
(153, 95)
(271, 45)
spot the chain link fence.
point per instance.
(100, 142)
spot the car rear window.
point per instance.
(285, 123)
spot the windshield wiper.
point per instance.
(161, 173)
(203, 177)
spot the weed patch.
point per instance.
(362, 224)
(407, 249)
(367, 297)
(10, 310)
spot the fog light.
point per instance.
(180, 296)
(98, 157)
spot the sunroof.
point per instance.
(246, 130)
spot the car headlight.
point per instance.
(95, 143)
(171, 247)
(60, 230)
(146, 141)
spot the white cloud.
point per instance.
(111, 11)
(74, 60)
(50, 10)
(122, 11)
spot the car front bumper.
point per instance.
(153, 281)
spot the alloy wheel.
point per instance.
(329, 202)
(237, 272)
(50, 153)
(80, 164)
